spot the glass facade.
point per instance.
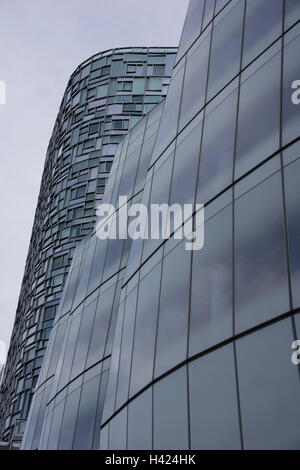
(157, 347)
(106, 96)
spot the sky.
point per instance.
(41, 44)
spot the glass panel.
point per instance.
(194, 88)
(263, 25)
(269, 389)
(216, 163)
(292, 193)
(226, 49)
(145, 331)
(213, 402)
(192, 25)
(259, 116)
(170, 412)
(140, 422)
(292, 12)
(291, 111)
(126, 348)
(261, 286)
(55, 426)
(211, 301)
(185, 169)
(118, 431)
(171, 346)
(169, 121)
(69, 421)
(86, 415)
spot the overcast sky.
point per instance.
(41, 43)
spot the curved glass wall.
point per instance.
(194, 351)
(106, 96)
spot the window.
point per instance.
(159, 70)
(269, 389)
(154, 84)
(131, 68)
(170, 426)
(101, 185)
(78, 192)
(263, 25)
(105, 167)
(211, 299)
(194, 87)
(213, 402)
(259, 113)
(226, 49)
(261, 285)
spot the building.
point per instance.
(176, 349)
(105, 97)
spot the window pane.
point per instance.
(226, 49)
(292, 12)
(69, 421)
(291, 112)
(213, 402)
(259, 116)
(173, 314)
(216, 163)
(118, 431)
(140, 422)
(211, 301)
(292, 192)
(261, 286)
(269, 389)
(263, 25)
(145, 331)
(86, 415)
(170, 412)
(192, 25)
(195, 81)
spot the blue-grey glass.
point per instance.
(172, 332)
(33, 415)
(211, 299)
(113, 256)
(269, 389)
(145, 331)
(140, 422)
(263, 25)
(101, 398)
(192, 25)
(126, 348)
(292, 194)
(97, 265)
(40, 419)
(291, 73)
(83, 438)
(69, 352)
(100, 327)
(216, 162)
(213, 402)
(118, 431)
(109, 405)
(185, 169)
(259, 117)
(57, 347)
(83, 339)
(219, 5)
(292, 12)
(54, 431)
(226, 49)
(84, 275)
(159, 195)
(194, 89)
(261, 284)
(169, 121)
(69, 420)
(70, 288)
(113, 319)
(208, 12)
(104, 438)
(170, 414)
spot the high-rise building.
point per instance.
(105, 97)
(164, 348)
